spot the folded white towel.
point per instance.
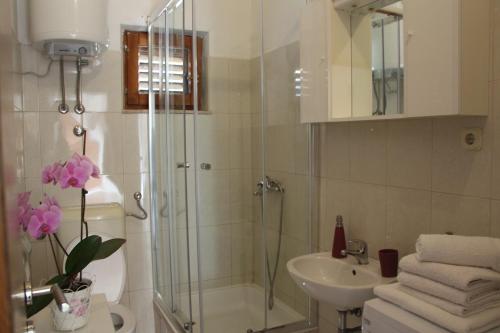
(461, 277)
(460, 250)
(456, 309)
(475, 297)
(476, 323)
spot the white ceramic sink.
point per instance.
(341, 282)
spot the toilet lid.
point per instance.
(109, 273)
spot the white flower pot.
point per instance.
(80, 303)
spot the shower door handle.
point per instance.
(182, 165)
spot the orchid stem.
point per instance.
(84, 142)
(60, 244)
(54, 255)
(83, 201)
(86, 229)
(82, 213)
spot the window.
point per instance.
(180, 78)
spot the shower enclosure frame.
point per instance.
(174, 316)
(177, 318)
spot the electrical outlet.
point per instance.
(472, 138)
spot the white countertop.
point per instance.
(99, 321)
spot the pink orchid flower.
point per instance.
(73, 175)
(46, 218)
(51, 173)
(82, 159)
(24, 209)
(77, 172)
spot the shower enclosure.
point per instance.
(231, 166)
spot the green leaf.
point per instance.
(82, 254)
(108, 248)
(40, 302)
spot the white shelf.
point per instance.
(99, 321)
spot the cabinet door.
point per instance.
(314, 69)
(431, 57)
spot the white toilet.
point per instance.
(107, 221)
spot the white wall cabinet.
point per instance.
(325, 59)
(447, 49)
(447, 57)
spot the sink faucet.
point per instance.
(360, 252)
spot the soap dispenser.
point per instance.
(339, 242)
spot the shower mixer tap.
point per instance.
(260, 186)
(274, 185)
(270, 184)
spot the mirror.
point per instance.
(377, 59)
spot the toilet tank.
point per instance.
(108, 219)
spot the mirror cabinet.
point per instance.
(386, 59)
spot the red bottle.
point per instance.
(339, 242)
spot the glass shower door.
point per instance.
(286, 168)
(231, 178)
(252, 170)
(170, 162)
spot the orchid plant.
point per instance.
(44, 221)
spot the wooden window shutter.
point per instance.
(180, 82)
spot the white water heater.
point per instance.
(69, 27)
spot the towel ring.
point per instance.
(144, 215)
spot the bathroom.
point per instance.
(301, 112)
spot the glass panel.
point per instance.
(160, 181)
(286, 170)
(227, 164)
(240, 174)
(241, 209)
(181, 161)
(170, 161)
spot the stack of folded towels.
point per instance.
(452, 281)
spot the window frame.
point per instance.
(133, 101)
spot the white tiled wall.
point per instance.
(403, 177)
(116, 142)
(394, 180)
(12, 145)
